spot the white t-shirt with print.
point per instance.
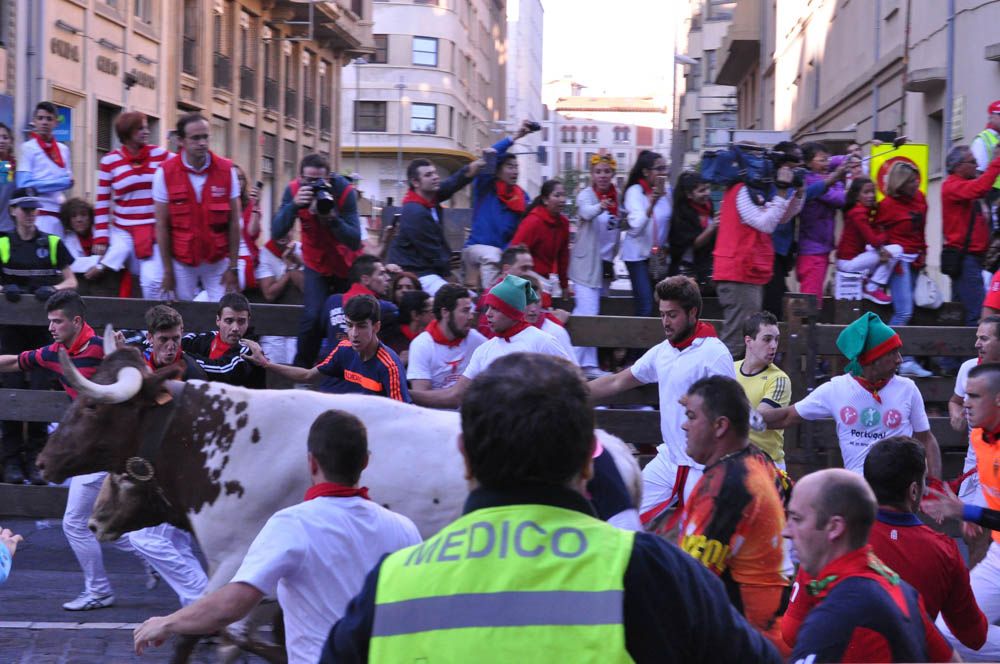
(440, 364)
(528, 340)
(674, 371)
(315, 556)
(861, 420)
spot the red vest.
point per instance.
(199, 232)
(322, 252)
(742, 253)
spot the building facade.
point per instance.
(706, 109)
(840, 71)
(434, 87)
(524, 85)
(265, 73)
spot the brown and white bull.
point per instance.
(226, 458)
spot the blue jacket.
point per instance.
(420, 246)
(493, 223)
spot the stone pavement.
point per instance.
(34, 629)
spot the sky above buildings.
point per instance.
(614, 47)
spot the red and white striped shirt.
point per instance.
(126, 182)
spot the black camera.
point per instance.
(533, 126)
(323, 195)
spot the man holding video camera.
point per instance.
(744, 253)
(498, 205)
(326, 204)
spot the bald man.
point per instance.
(861, 610)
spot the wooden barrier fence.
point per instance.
(804, 339)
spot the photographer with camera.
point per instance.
(326, 205)
(498, 205)
(744, 252)
(818, 219)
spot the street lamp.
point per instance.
(401, 86)
(357, 62)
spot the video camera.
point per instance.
(753, 165)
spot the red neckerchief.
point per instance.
(86, 334)
(273, 247)
(51, 149)
(355, 290)
(611, 195)
(513, 330)
(336, 490)
(437, 334)
(413, 197)
(151, 361)
(408, 333)
(511, 196)
(218, 349)
(86, 243)
(704, 212)
(646, 187)
(140, 159)
(873, 388)
(544, 316)
(858, 563)
(702, 330)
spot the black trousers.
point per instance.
(15, 445)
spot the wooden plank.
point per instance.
(842, 312)
(917, 340)
(615, 331)
(32, 502)
(639, 427)
(824, 434)
(33, 405)
(645, 395)
(624, 305)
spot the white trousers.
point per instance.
(430, 283)
(279, 349)
(150, 272)
(588, 303)
(83, 490)
(208, 275)
(482, 265)
(868, 262)
(985, 581)
(658, 479)
(168, 550)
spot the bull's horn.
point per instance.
(110, 345)
(127, 386)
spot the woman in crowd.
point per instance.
(249, 231)
(692, 229)
(125, 199)
(402, 282)
(545, 231)
(903, 213)
(8, 166)
(817, 222)
(416, 311)
(97, 274)
(863, 245)
(597, 216)
(645, 188)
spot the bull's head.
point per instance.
(102, 428)
(125, 504)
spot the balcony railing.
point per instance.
(222, 71)
(190, 56)
(325, 119)
(291, 103)
(271, 98)
(248, 83)
(309, 111)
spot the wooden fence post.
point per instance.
(799, 361)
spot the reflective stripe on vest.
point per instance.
(53, 248)
(506, 584)
(990, 140)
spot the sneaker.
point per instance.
(13, 473)
(34, 475)
(88, 602)
(152, 577)
(875, 293)
(913, 369)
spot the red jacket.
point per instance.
(858, 232)
(547, 238)
(199, 232)
(905, 219)
(742, 253)
(958, 195)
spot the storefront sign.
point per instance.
(64, 49)
(107, 65)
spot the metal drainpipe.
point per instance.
(949, 89)
(878, 48)
(901, 130)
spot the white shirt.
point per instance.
(269, 265)
(198, 178)
(765, 218)
(440, 364)
(119, 250)
(315, 556)
(561, 336)
(639, 236)
(861, 420)
(34, 164)
(960, 382)
(674, 371)
(981, 152)
(528, 340)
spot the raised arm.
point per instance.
(781, 418)
(933, 450)
(608, 386)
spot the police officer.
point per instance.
(528, 572)
(30, 262)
